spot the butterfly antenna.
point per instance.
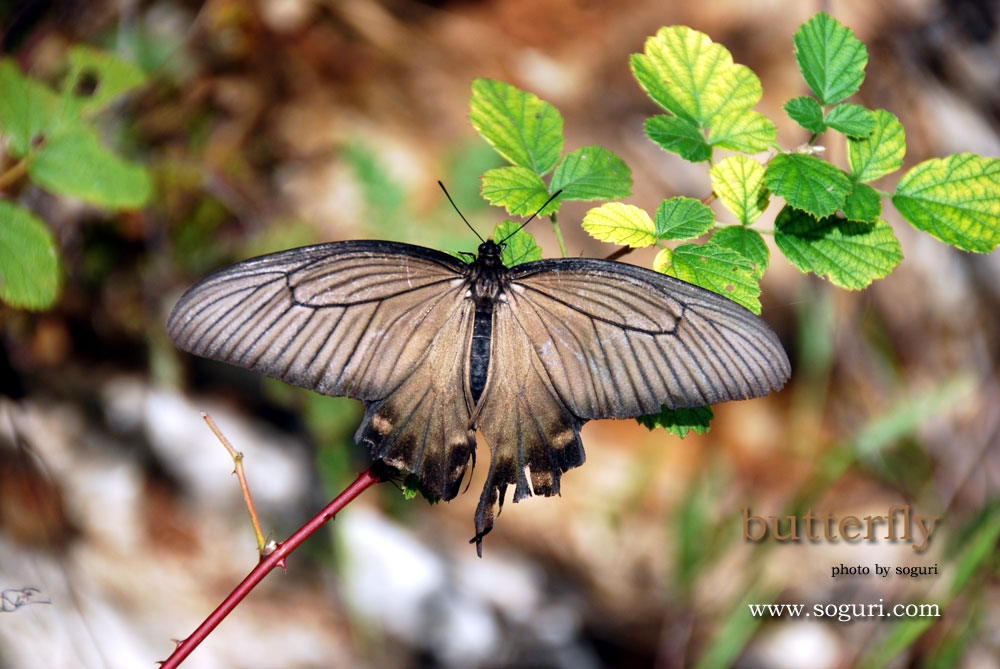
(459, 212)
(554, 196)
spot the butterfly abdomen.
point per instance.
(479, 353)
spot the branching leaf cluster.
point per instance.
(831, 221)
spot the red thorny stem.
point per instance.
(373, 475)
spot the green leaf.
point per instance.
(850, 254)
(522, 128)
(852, 120)
(683, 218)
(74, 163)
(863, 204)
(714, 267)
(749, 131)
(29, 262)
(410, 486)
(831, 58)
(956, 199)
(28, 108)
(592, 173)
(519, 248)
(101, 73)
(620, 223)
(519, 190)
(679, 136)
(696, 80)
(881, 152)
(807, 113)
(739, 182)
(679, 421)
(748, 243)
(808, 183)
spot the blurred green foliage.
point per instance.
(55, 139)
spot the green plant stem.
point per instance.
(559, 237)
(18, 170)
(375, 474)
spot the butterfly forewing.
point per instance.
(351, 318)
(619, 341)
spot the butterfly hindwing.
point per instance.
(423, 425)
(533, 437)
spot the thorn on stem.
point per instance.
(269, 548)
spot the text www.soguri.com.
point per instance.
(845, 612)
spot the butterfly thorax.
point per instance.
(487, 276)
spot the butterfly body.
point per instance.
(486, 286)
(438, 349)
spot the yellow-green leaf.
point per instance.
(747, 131)
(739, 182)
(29, 262)
(524, 129)
(956, 199)
(518, 189)
(691, 76)
(714, 267)
(879, 153)
(850, 254)
(696, 80)
(619, 223)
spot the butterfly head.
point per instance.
(490, 249)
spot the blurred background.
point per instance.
(276, 123)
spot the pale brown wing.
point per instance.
(577, 339)
(382, 322)
(619, 341)
(533, 437)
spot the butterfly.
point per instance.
(438, 348)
